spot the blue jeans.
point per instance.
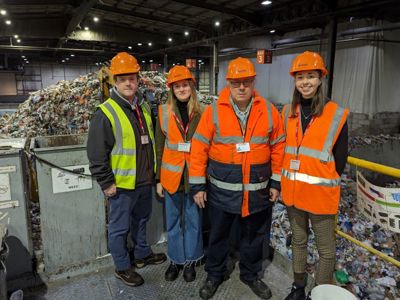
(183, 218)
(129, 210)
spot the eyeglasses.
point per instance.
(246, 83)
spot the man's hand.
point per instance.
(273, 195)
(160, 190)
(200, 198)
(111, 190)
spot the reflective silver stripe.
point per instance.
(118, 147)
(170, 167)
(310, 179)
(276, 177)
(197, 180)
(201, 138)
(310, 152)
(277, 140)
(237, 187)
(286, 114)
(164, 112)
(124, 172)
(215, 118)
(337, 117)
(228, 139)
(259, 140)
(269, 115)
(130, 152)
(170, 146)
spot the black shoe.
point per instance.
(259, 288)
(297, 293)
(209, 288)
(129, 277)
(152, 259)
(189, 272)
(172, 272)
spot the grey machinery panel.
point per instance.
(73, 221)
(13, 206)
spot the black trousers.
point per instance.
(252, 234)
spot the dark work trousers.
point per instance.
(129, 211)
(252, 235)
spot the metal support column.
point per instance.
(331, 53)
(165, 69)
(215, 69)
(197, 75)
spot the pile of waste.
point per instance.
(67, 107)
(359, 271)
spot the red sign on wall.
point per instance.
(190, 63)
(264, 56)
(153, 67)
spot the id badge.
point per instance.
(295, 164)
(144, 139)
(184, 147)
(243, 147)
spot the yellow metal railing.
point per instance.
(383, 170)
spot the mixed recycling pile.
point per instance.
(359, 271)
(67, 107)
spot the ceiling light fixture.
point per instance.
(63, 61)
(169, 39)
(96, 19)
(150, 44)
(67, 58)
(8, 22)
(23, 56)
(272, 31)
(143, 61)
(217, 23)
(186, 33)
(129, 47)
(86, 28)
(266, 2)
(18, 41)
(151, 60)
(72, 55)
(139, 44)
(3, 12)
(16, 36)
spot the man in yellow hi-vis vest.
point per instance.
(121, 153)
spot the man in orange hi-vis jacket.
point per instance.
(235, 167)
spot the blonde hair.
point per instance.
(317, 102)
(193, 103)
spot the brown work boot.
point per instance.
(129, 277)
(152, 259)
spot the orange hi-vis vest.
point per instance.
(173, 161)
(309, 179)
(238, 180)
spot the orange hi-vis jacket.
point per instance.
(238, 181)
(313, 185)
(173, 161)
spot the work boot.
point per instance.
(172, 272)
(259, 288)
(209, 288)
(152, 259)
(129, 277)
(189, 272)
(297, 293)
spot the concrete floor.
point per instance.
(104, 286)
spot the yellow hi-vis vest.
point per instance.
(123, 154)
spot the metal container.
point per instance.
(14, 209)
(72, 207)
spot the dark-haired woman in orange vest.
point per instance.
(315, 156)
(177, 122)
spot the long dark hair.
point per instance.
(317, 102)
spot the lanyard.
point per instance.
(180, 124)
(298, 144)
(139, 118)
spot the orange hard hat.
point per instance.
(124, 63)
(178, 73)
(240, 68)
(308, 61)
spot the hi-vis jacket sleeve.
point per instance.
(277, 143)
(201, 143)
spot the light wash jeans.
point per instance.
(184, 227)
